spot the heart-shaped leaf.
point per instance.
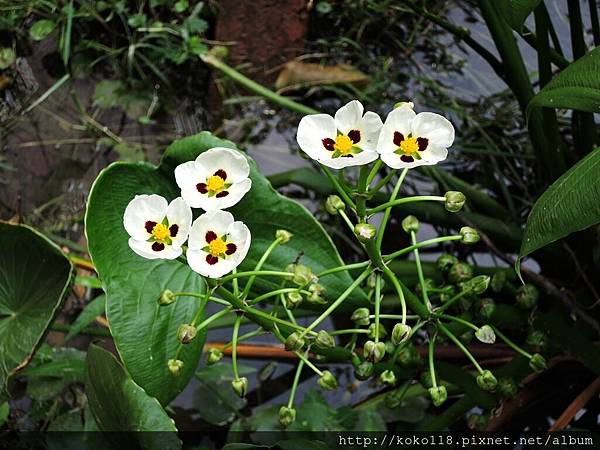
(486, 334)
(35, 278)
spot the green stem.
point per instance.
(460, 345)
(245, 337)
(451, 302)
(430, 354)
(308, 363)
(196, 295)
(394, 316)
(385, 180)
(236, 287)
(377, 305)
(262, 297)
(347, 267)
(214, 317)
(459, 320)
(402, 201)
(349, 331)
(344, 216)
(373, 172)
(413, 237)
(338, 187)
(259, 265)
(421, 244)
(511, 344)
(386, 215)
(392, 277)
(234, 341)
(254, 273)
(295, 383)
(361, 201)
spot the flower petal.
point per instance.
(362, 158)
(370, 128)
(434, 127)
(235, 192)
(240, 235)
(197, 262)
(233, 162)
(349, 116)
(179, 214)
(434, 154)
(187, 176)
(216, 221)
(144, 249)
(395, 161)
(141, 209)
(311, 132)
(398, 120)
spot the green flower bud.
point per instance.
(400, 333)
(333, 204)
(487, 306)
(294, 342)
(438, 395)
(477, 285)
(425, 380)
(460, 272)
(410, 105)
(186, 333)
(365, 232)
(454, 201)
(537, 339)
(316, 294)
(410, 223)
(283, 236)
(302, 275)
(498, 281)
(240, 386)
(537, 362)
(371, 331)
(486, 334)
(374, 351)
(408, 355)
(364, 370)
(266, 372)
(166, 298)
(469, 235)
(213, 356)
(447, 293)
(327, 381)
(360, 316)
(477, 422)
(487, 381)
(527, 296)
(507, 387)
(175, 366)
(324, 340)
(293, 299)
(446, 261)
(317, 288)
(388, 377)
(287, 416)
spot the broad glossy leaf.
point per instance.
(35, 278)
(569, 204)
(118, 404)
(576, 87)
(515, 12)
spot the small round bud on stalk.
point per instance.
(240, 386)
(469, 235)
(186, 333)
(365, 232)
(371, 331)
(410, 105)
(374, 351)
(294, 342)
(498, 281)
(166, 298)
(410, 224)
(175, 366)
(487, 381)
(487, 306)
(455, 200)
(477, 285)
(507, 387)
(537, 362)
(360, 316)
(364, 370)
(388, 377)
(460, 272)
(537, 339)
(283, 236)
(527, 296)
(486, 334)
(293, 299)
(302, 275)
(333, 204)
(316, 294)
(213, 356)
(438, 395)
(400, 333)
(327, 381)
(287, 416)
(324, 340)
(446, 261)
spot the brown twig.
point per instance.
(579, 402)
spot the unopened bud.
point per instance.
(446, 261)
(283, 236)
(537, 362)
(477, 422)
(388, 377)
(175, 366)
(333, 204)
(487, 381)
(460, 272)
(487, 307)
(537, 339)
(447, 293)
(454, 201)
(302, 275)
(324, 340)
(410, 224)
(498, 281)
(293, 299)
(327, 381)
(371, 331)
(213, 356)
(240, 386)
(438, 395)
(400, 333)
(294, 342)
(374, 351)
(477, 285)
(186, 333)
(364, 370)
(166, 298)
(410, 105)
(469, 235)
(365, 232)
(408, 355)
(507, 387)
(287, 416)
(316, 294)
(527, 296)
(360, 316)
(486, 334)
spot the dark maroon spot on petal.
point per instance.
(407, 159)
(149, 225)
(210, 236)
(174, 229)
(221, 173)
(202, 188)
(157, 246)
(354, 136)
(423, 143)
(212, 260)
(231, 248)
(222, 194)
(398, 138)
(347, 156)
(328, 144)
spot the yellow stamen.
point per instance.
(217, 247)
(215, 183)
(343, 144)
(161, 232)
(409, 145)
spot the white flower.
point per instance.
(348, 140)
(408, 139)
(217, 179)
(157, 229)
(217, 244)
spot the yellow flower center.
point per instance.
(217, 247)
(409, 145)
(343, 144)
(161, 232)
(215, 183)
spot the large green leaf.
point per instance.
(576, 87)
(515, 12)
(118, 404)
(569, 204)
(35, 278)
